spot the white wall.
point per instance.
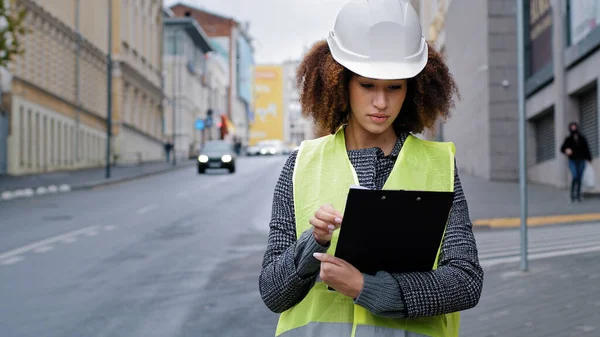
(42, 140)
(136, 147)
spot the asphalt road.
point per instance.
(171, 255)
(179, 254)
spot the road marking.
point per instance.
(146, 209)
(499, 247)
(540, 249)
(69, 240)
(43, 243)
(41, 190)
(7, 195)
(43, 249)
(537, 221)
(11, 260)
(514, 259)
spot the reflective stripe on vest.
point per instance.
(345, 329)
(323, 174)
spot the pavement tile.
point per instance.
(557, 297)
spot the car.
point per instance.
(270, 147)
(253, 150)
(217, 154)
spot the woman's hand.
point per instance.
(324, 222)
(340, 275)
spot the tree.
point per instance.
(11, 30)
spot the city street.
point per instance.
(179, 254)
(172, 255)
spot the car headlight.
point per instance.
(203, 158)
(226, 158)
(263, 151)
(272, 151)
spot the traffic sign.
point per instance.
(199, 124)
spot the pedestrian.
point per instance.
(576, 148)
(237, 145)
(371, 85)
(168, 148)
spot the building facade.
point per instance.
(55, 94)
(484, 124)
(561, 69)
(296, 127)
(234, 47)
(185, 70)
(137, 110)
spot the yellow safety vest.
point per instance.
(323, 174)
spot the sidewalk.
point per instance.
(497, 204)
(29, 185)
(557, 297)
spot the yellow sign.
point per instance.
(268, 113)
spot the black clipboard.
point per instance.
(396, 231)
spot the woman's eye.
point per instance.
(366, 85)
(395, 87)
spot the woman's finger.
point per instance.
(322, 235)
(322, 225)
(328, 218)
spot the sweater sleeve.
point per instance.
(289, 269)
(455, 286)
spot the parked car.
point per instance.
(217, 154)
(269, 147)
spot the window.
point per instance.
(45, 143)
(52, 142)
(21, 136)
(29, 138)
(588, 117)
(174, 44)
(59, 144)
(38, 142)
(538, 44)
(583, 17)
(545, 139)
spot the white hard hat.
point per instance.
(380, 39)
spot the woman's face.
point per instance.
(375, 104)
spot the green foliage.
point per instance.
(11, 32)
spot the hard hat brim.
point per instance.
(382, 70)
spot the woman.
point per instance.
(576, 148)
(373, 83)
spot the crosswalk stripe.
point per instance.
(503, 247)
(537, 244)
(540, 249)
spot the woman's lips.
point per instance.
(378, 118)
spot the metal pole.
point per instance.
(109, 90)
(522, 135)
(77, 81)
(174, 95)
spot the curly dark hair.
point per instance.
(324, 94)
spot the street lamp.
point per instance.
(109, 90)
(522, 140)
(174, 119)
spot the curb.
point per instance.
(535, 221)
(64, 188)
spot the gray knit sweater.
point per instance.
(289, 270)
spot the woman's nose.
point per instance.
(380, 100)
